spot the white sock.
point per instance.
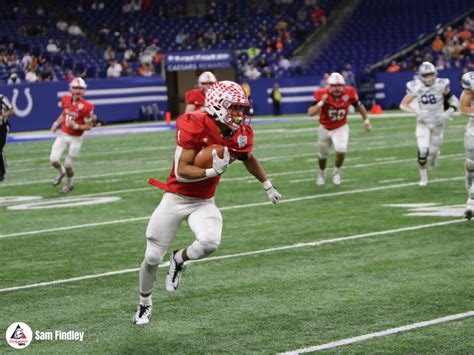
(323, 172)
(336, 170)
(146, 300)
(61, 169)
(70, 180)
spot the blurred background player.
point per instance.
(195, 98)
(190, 189)
(465, 106)
(333, 103)
(77, 116)
(431, 94)
(6, 110)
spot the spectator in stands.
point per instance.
(52, 47)
(350, 76)
(31, 76)
(153, 48)
(109, 54)
(97, 5)
(465, 34)
(127, 70)
(448, 49)
(275, 96)
(324, 81)
(318, 16)
(145, 57)
(250, 72)
(393, 67)
(417, 59)
(13, 79)
(75, 30)
(180, 38)
(441, 64)
(437, 45)
(69, 75)
(284, 63)
(47, 74)
(62, 25)
(127, 6)
(146, 70)
(130, 55)
(449, 33)
(253, 51)
(115, 69)
(26, 60)
(103, 33)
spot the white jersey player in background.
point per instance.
(466, 108)
(431, 94)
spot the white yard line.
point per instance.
(255, 252)
(383, 333)
(225, 208)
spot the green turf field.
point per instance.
(271, 287)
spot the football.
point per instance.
(203, 159)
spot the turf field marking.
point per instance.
(256, 204)
(383, 333)
(255, 252)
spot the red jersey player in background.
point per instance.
(195, 98)
(333, 103)
(189, 191)
(77, 116)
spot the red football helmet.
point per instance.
(336, 84)
(227, 103)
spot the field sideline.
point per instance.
(377, 265)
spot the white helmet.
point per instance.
(224, 95)
(427, 73)
(336, 83)
(78, 83)
(206, 78)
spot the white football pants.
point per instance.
(62, 142)
(339, 137)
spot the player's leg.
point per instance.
(75, 144)
(206, 223)
(59, 146)
(340, 139)
(469, 146)
(423, 135)
(162, 227)
(324, 143)
(437, 136)
(3, 140)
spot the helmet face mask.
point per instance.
(427, 73)
(227, 103)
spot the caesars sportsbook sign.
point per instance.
(177, 61)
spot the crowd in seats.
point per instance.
(452, 47)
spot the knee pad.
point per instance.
(154, 253)
(422, 155)
(434, 150)
(470, 165)
(69, 162)
(323, 151)
(201, 248)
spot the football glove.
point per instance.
(220, 165)
(272, 192)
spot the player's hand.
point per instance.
(324, 98)
(445, 117)
(367, 126)
(54, 127)
(272, 192)
(220, 165)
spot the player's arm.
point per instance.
(465, 108)
(253, 166)
(57, 122)
(186, 171)
(313, 109)
(6, 114)
(405, 104)
(363, 112)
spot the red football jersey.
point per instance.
(334, 112)
(195, 97)
(75, 112)
(196, 130)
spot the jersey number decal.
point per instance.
(336, 115)
(428, 99)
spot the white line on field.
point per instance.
(256, 204)
(390, 331)
(255, 252)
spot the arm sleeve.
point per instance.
(6, 103)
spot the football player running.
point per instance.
(195, 98)
(333, 103)
(76, 118)
(466, 108)
(189, 190)
(431, 94)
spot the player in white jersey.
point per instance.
(431, 94)
(466, 107)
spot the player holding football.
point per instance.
(466, 108)
(432, 94)
(195, 98)
(333, 103)
(189, 191)
(77, 116)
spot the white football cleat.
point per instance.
(57, 180)
(423, 177)
(336, 178)
(66, 189)
(143, 315)
(173, 277)
(321, 179)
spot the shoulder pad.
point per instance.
(191, 122)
